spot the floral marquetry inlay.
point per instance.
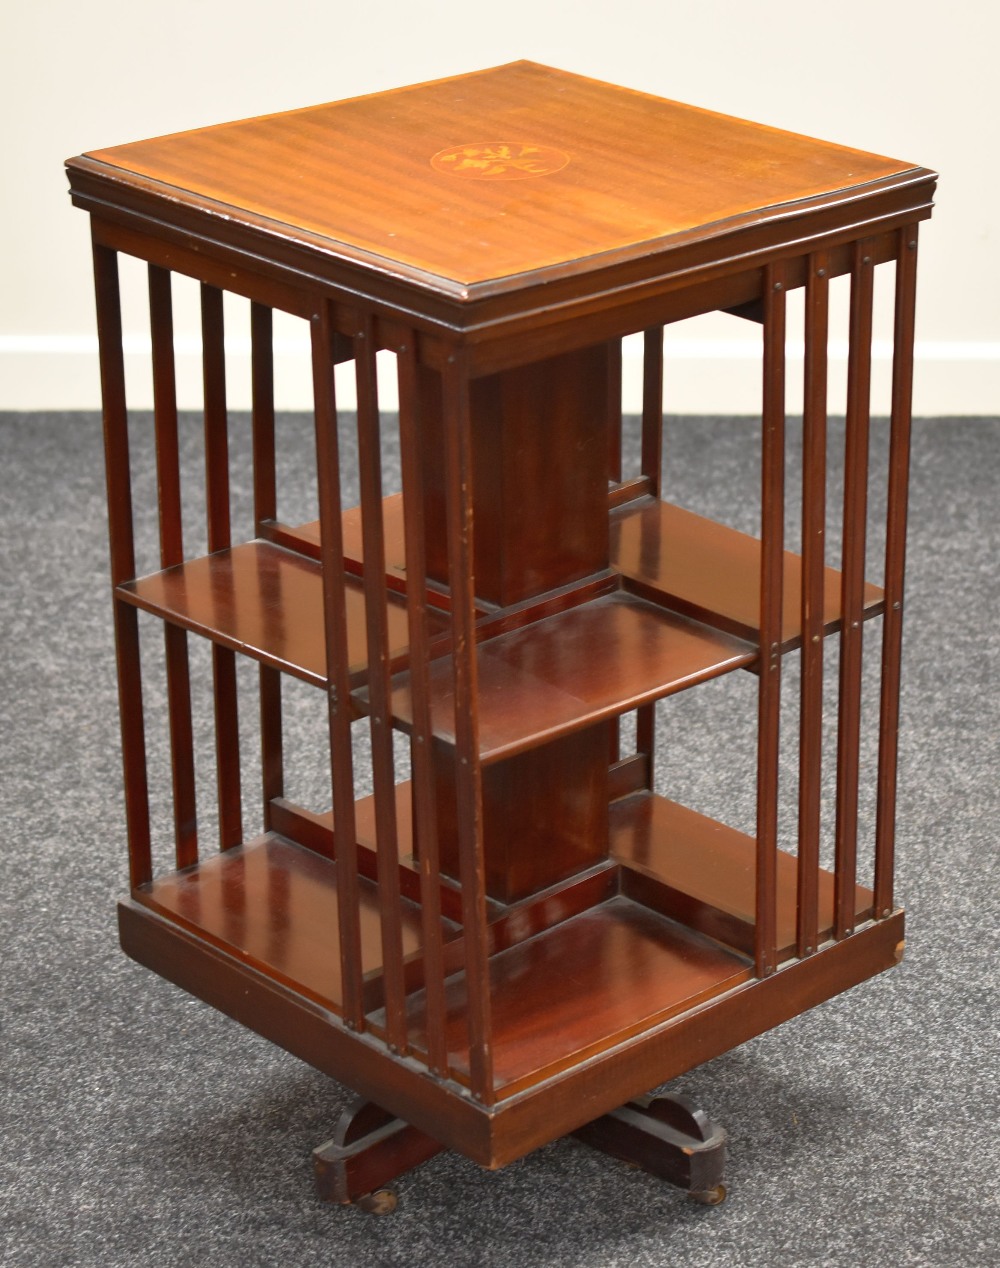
(500, 160)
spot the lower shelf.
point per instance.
(582, 987)
(702, 872)
(577, 1090)
(273, 904)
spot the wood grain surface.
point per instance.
(547, 167)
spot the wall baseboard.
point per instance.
(709, 376)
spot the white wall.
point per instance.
(911, 80)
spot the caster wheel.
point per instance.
(381, 1202)
(709, 1197)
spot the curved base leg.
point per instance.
(369, 1149)
(668, 1136)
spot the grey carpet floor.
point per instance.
(141, 1128)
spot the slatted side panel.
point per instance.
(421, 741)
(824, 909)
(379, 687)
(324, 345)
(168, 478)
(895, 560)
(458, 466)
(227, 736)
(120, 523)
(852, 587)
(814, 428)
(265, 508)
(771, 580)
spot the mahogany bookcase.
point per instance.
(518, 937)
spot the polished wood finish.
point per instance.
(452, 228)
(813, 606)
(538, 526)
(711, 572)
(523, 937)
(631, 970)
(702, 873)
(524, 699)
(545, 813)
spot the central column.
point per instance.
(540, 502)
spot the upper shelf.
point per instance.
(712, 572)
(573, 669)
(266, 602)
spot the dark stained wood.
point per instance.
(702, 873)
(545, 813)
(242, 597)
(646, 653)
(119, 489)
(489, 613)
(652, 407)
(855, 536)
(770, 608)
(379, 657)
(631, 969)
(337, 665)
(273, 905)
(711, 572)
(895, 562)
(424, 808)
(518, 420)
(667, 1051)
(614, 394)
(168, 484)
(369, 1149)
(227, 730)
(523, 1122)
(813, 605)
(462, 680)
(667, 1137)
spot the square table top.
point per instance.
(496, 178)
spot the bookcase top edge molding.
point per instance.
(612, 182)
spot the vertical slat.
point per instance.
(338, 688)
(652, 406)
(116, 458)
(458, 463)
(265, 495)
(379, 687)
(772, 547)
(615, 409)
(265, 507)
(421, 746)
(614, 404)
(895, 560)
(813, 560)
(168, 480)
(227, 736)
(852, 587)
(651, 463)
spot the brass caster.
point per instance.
(381, 1202)
(709, 1197)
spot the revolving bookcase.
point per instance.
(517, 937)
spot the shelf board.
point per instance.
(273, 905)
(702, 872)
(581, 987)
(266, 602)
(573, 669)
(712, 573)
